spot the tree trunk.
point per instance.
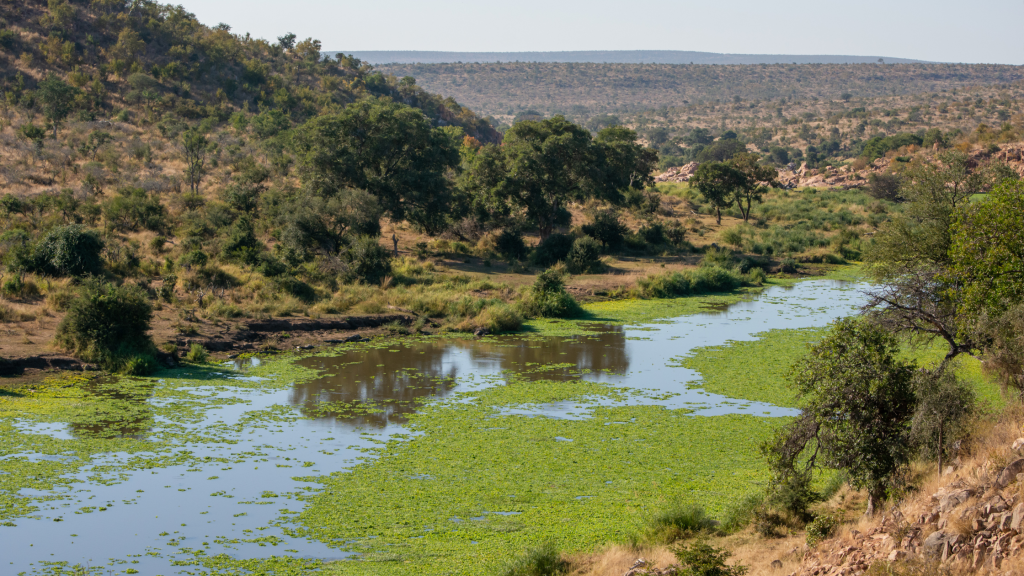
(875, 497)
(940, 449)
(718, 212)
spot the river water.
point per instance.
(159, 520)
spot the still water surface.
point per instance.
(156, 517)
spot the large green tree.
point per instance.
(718, 182)
(386, 148)
(858, 402)
(544, 165)
(910, 259)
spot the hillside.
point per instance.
(612, 57)
(584, 89)
(160, 63)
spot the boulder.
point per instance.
(934, 543)
(1009, 474)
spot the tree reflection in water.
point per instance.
(392, 380)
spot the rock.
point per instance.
(934, 543)
(953, 499)
(1018, 517)
(480, 332)
(1017, 444)
(1009, 473)
(947, 470)
(897, 555)
(776, 564)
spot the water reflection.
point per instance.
(115, 407)
(388, 380)
(391, 381)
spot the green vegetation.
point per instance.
(107, 324)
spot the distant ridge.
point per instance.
(611, 57)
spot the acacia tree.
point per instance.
(717, 183)
(759, 179)
(543, 165)
(387, 149)
(858, 402)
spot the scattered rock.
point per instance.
(776, 564)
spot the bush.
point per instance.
(789, 266)
(107, 324)
(510, 245)
(703, 280)
(542, 561)
(822, 528)
(369, 261)
(720, 257)
(197, 354)
(549, 298)
(194, 258)
(553, 249)
(653, 234)
(499, 318)
(701, 559)
(585, 256)
(133, 208)
(679, 522)
(70, 251)
(884, 186)
(607, 229)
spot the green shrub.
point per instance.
(499, 318)
(653, 234)
(368, 260)
(822, 528)
(510, 245)
(107, 324)
(197, 354)
(703, 280)
(133, 208)
(789, 265)
(553, 249)
(542, 561)
(742, 513)
(701, 559)
(70, 251)
(607, 229)
(193, 258)
(549, 298)
(585, 256)
(680, 521)
(720, 257)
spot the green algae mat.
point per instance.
(422, 455)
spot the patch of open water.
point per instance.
(153, 519)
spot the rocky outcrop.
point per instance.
(677, 174)
(974, 523)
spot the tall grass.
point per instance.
(541, 561)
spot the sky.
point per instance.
(988, 31)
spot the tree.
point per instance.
(58, 100)
(945, 405)
(717, 183)
(858, 401)
(387, 149)
(543, 165)
(987, 253)
(195, 146)
(911, 257)
(759, 178)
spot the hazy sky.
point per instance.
(939, 30)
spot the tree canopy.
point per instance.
(386, 148)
